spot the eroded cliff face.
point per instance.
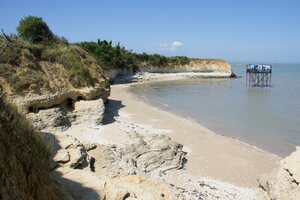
(210, 65)
(195, 65)
(41, 76)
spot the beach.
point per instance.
(207, 154)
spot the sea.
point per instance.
(266, 117)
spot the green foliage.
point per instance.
(34, 29)
(117, 57)
(73, 59)
(109, 56)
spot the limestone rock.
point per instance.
(89, 111)
(283, 183)
(53, 119)
(150, 154)
(66, 150)
(82, 184)
(155, 153)
(62, 156)
(78, 157)
(89, 146)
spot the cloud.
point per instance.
(174, 46)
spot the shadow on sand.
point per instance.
(112, 108)
(66, 188)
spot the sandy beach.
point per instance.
(208, 154)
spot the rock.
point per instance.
(82, 184)
(78, 157)
(283, 183)
(66, 150)
(150, 154)
(89, 111)
(155, 153)
(89, 146)
(292, 165)
(53, 119)
(62, 156)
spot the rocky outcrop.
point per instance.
(67, 151)
(118, 75)
(195, 65)
(34, 102)
(88, 111)
(45, 76)
(146, 155)
(206, 68)
(98, 188)
(283, 183)
(65, 115)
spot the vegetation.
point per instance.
(24, 158)
(117, 57)
(22, 63)
(22, 59)
(34, 29)
(109, 56)
(74, 59)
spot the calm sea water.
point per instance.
(265, 117)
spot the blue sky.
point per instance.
(234, 30)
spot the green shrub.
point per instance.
(34, 29)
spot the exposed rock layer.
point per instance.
(206, 66)
(195, 65)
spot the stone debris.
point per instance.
(139, 169)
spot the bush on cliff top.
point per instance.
(34, 29)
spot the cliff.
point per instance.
(33, 78)
(193, 65)
(41, 76)
(207, 68)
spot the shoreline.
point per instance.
(181, 115)
(209, 154)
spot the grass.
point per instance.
(73, 59)
(16, 124)
(20, 63)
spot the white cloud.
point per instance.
(171, 47)
(176, 44)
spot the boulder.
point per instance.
(89, 111)
(62, 156)
(53, 119)
(283, 183)
(150, 154)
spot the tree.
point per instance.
(34, 29)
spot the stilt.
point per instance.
(258, 75)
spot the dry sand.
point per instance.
(208, 154)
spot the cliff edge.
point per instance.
(39, 76)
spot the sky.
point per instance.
(235, 30)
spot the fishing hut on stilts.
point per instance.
(258, 75)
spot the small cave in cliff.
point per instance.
(79, 98)
(70, 103)
(30, 109)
